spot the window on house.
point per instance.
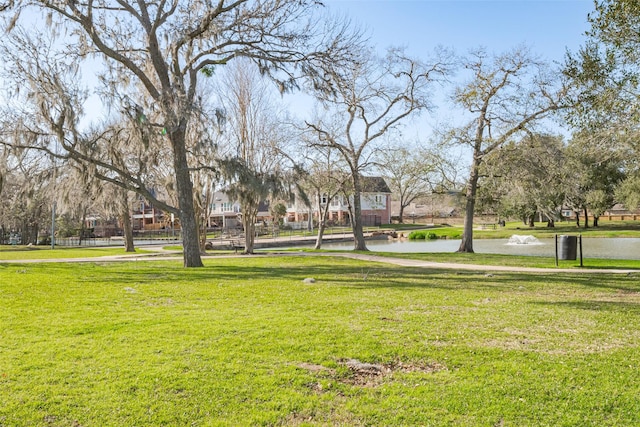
(323, 199)
(336, 201)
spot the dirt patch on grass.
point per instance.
(371, 374)
(367, 374)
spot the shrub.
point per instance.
(418, 235)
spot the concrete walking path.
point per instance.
(160, 254)
(475, 267)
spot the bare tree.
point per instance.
(206, 139)
(205, 187)
(325, 181)
(153, 54)
(507, 95)
(371, 98)
(26, 194)
(75, 196)
(123, 212)
(256, 132)
(115, 203)
(413, 172)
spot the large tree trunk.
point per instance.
(321, 228)
(184, 187)
(128, 233)
(577, 218)
(203, 235)
(322, 225)
(27, 232)
(358, 233)
(595, 220)
(249, 223)
(202, 227)
(401, 220)
(30, 232)
(472, 187)
(586, 218)
(125, 217)
(83, 227)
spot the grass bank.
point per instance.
(246, 342)
(541, 231)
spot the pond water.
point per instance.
(612, 248)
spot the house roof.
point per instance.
(374, 184)
(621, 209)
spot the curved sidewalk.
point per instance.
(475, 267)
(165, 255)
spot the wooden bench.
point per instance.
(489, 226)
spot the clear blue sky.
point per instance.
(547, 26)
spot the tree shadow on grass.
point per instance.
(618, 282)
(372, 275)
(335, 271)
(353, 274)
(357, 277)
(510, 281)
(596, 305)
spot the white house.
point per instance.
(375, 202)
(224, 212)
(227, 213)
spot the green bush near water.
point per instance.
(424, 235)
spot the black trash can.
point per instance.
(567, 247)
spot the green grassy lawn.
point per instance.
(244, 341)
(43, 252)
(514, 261)
(605, 229)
